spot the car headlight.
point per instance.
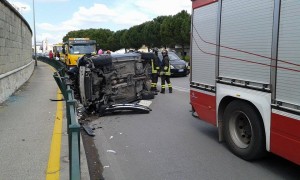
(172, 67)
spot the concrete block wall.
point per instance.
(16, 64)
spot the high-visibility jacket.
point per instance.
(166, 67)
(155, 65)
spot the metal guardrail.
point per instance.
(72, 121)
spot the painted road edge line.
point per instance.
(53, 168)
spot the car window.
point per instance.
(173, 57)
(160, 57)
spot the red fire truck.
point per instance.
(245, 74)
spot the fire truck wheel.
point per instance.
(244, 131)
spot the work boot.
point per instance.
(162, 91)
(156, 90)
(170, 90)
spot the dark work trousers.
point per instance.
(154, 79)
(163, 86)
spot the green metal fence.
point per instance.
(72, 122)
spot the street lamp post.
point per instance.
(34, 34)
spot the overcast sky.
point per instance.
(54, 18)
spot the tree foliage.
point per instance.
(135, 36)
(124, 42)
(167, 32)
(162, 31)
(151, 34)
(115, 40)
(100, 35)
(181, 29)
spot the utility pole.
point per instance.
(34, 34)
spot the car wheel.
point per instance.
(244, 131)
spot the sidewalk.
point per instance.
(26, 127)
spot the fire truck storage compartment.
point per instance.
(288, 80)
(202, 61)
(246, 26)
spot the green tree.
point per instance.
(100, 35)
(114, 41)
(151, 34)
(124, 40)
(167, 32)
(181, 27)
(135, 36)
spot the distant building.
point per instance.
(42, 47)
(178, 50)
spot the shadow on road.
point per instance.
(273, 163)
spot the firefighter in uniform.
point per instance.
(165, 72)
(155, 70)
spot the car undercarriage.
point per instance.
(107, 83)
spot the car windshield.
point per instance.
(82, 49)
(172, 56)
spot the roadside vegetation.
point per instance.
(162, 31)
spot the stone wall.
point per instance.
(16, 64)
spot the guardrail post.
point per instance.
(72, 122)
(70, 103)
(61, 84)
(75, 153)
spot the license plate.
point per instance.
(180, 70)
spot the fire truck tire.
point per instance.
(244, 131)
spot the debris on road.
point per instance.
(56, 99)
(124, 108)
(111, 151)
(145, 103)
(88, 130)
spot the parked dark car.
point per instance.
(178, 66)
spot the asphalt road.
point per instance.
(170, 144)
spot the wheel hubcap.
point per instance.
(240, 129)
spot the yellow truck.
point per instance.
(57, 48)
(75, 48)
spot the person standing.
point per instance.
(154, 71)
(57, 56)
(50, 54)
(100, 52)
(165, 72)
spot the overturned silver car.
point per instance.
(101, 82)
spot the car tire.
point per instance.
(244, 131)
